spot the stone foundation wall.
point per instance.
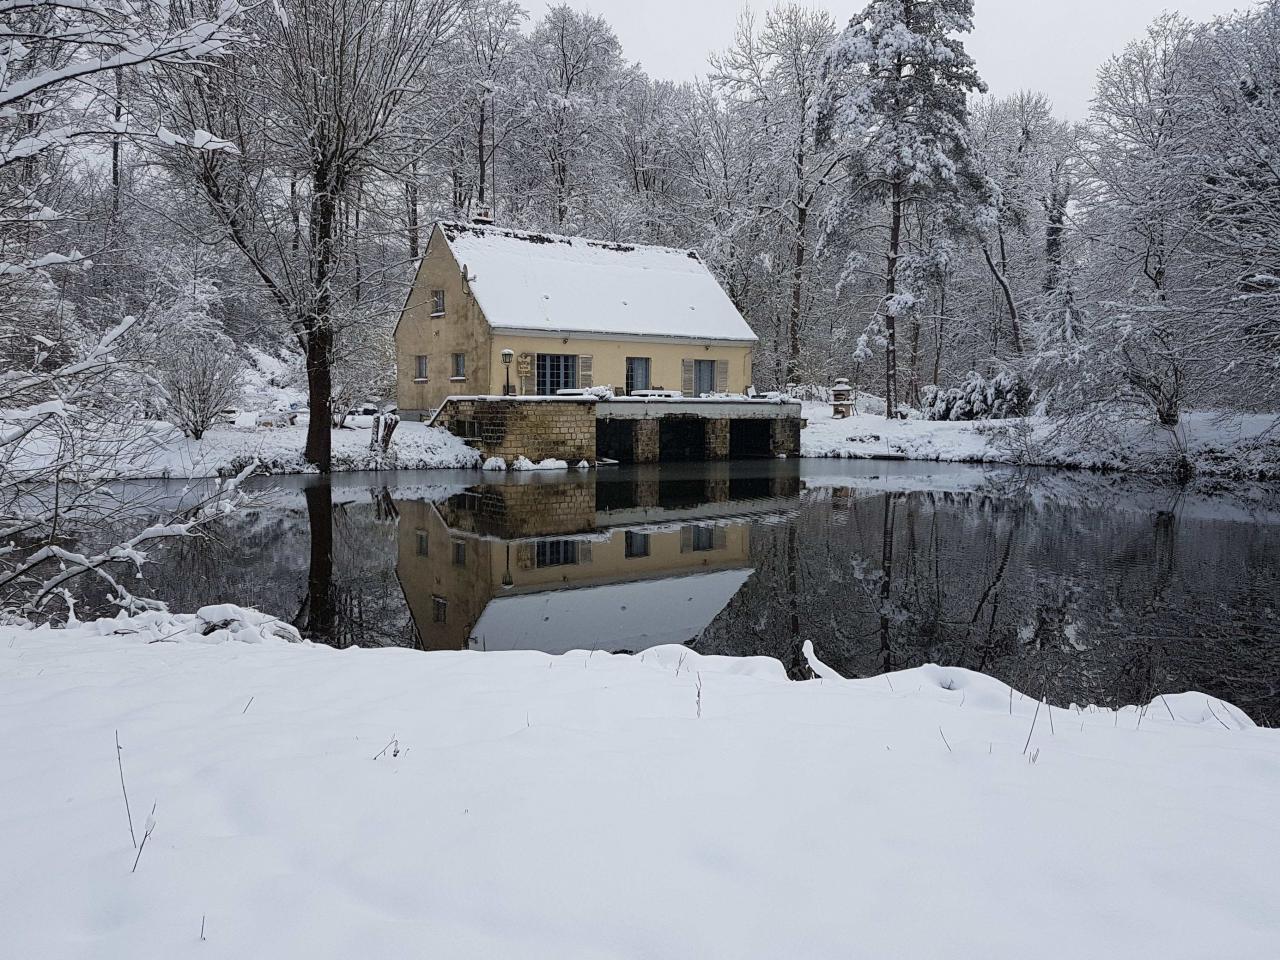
(785, 437)
(646, 441)
(716, 440)
(537, 429)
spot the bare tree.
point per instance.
(199, 380)
(328, 95)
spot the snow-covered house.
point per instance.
(573, 313)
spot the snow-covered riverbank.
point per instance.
(1236, 446)
(225, 449)
(1240, 447)
(317, 803)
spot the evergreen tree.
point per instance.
(902, 78)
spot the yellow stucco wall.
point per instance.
(609, 358)
(463, 329)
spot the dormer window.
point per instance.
(437, 303)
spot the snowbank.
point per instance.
(1236, 446)
(310, 802)
(550, 463)
(223, 448)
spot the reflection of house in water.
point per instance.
(584, 561)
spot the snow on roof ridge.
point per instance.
(454, 228)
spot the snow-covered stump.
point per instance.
(380, 433)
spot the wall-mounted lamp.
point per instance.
(507, 357)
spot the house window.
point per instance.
(556, 371)
(638, 374)
(420, 371)
(437, 303)
(459, 366)
(459, 553)
(422, 542)
(704, 377)
(701, 538)
(439, 609)
(636, 545)
(555, 553)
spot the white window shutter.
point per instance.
(722, 376)
(686, 377)
(584, 371)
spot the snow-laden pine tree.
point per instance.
(900, 80)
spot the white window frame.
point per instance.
(421, 369)
(437, 303)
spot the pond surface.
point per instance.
(1085, 589)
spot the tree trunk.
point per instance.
(1002, 281)
(411, 206)
(891, 290)
(797, 294)
(318, 339)
(481, 158)
(115, 150)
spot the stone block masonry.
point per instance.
(784, 439)
(715, 440)
(563, 429)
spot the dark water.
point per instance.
(1088, 590)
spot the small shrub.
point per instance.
(1003, 396)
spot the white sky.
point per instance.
(1049, 45)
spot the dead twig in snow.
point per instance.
(944, 740)
(146, 835)
(699, 695)
(393, 742)
(1215, 716)
(246, 707)
(127, 812)
(1032, 730)
(1167, 707)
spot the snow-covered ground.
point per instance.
(315, 803)
(225, 448)
(1246, 446)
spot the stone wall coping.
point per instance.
(640, 408)
(643, 408)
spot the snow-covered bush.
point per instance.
(602, 392)
(1003, 396)
(200, 379)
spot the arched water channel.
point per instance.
(1088, 589)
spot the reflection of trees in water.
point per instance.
(353, 597)
(1084, 605)
(328, 567)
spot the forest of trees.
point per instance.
(264, 175)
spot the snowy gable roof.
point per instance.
(541, 282)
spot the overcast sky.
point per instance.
(1049, 45)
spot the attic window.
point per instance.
(437, 303)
